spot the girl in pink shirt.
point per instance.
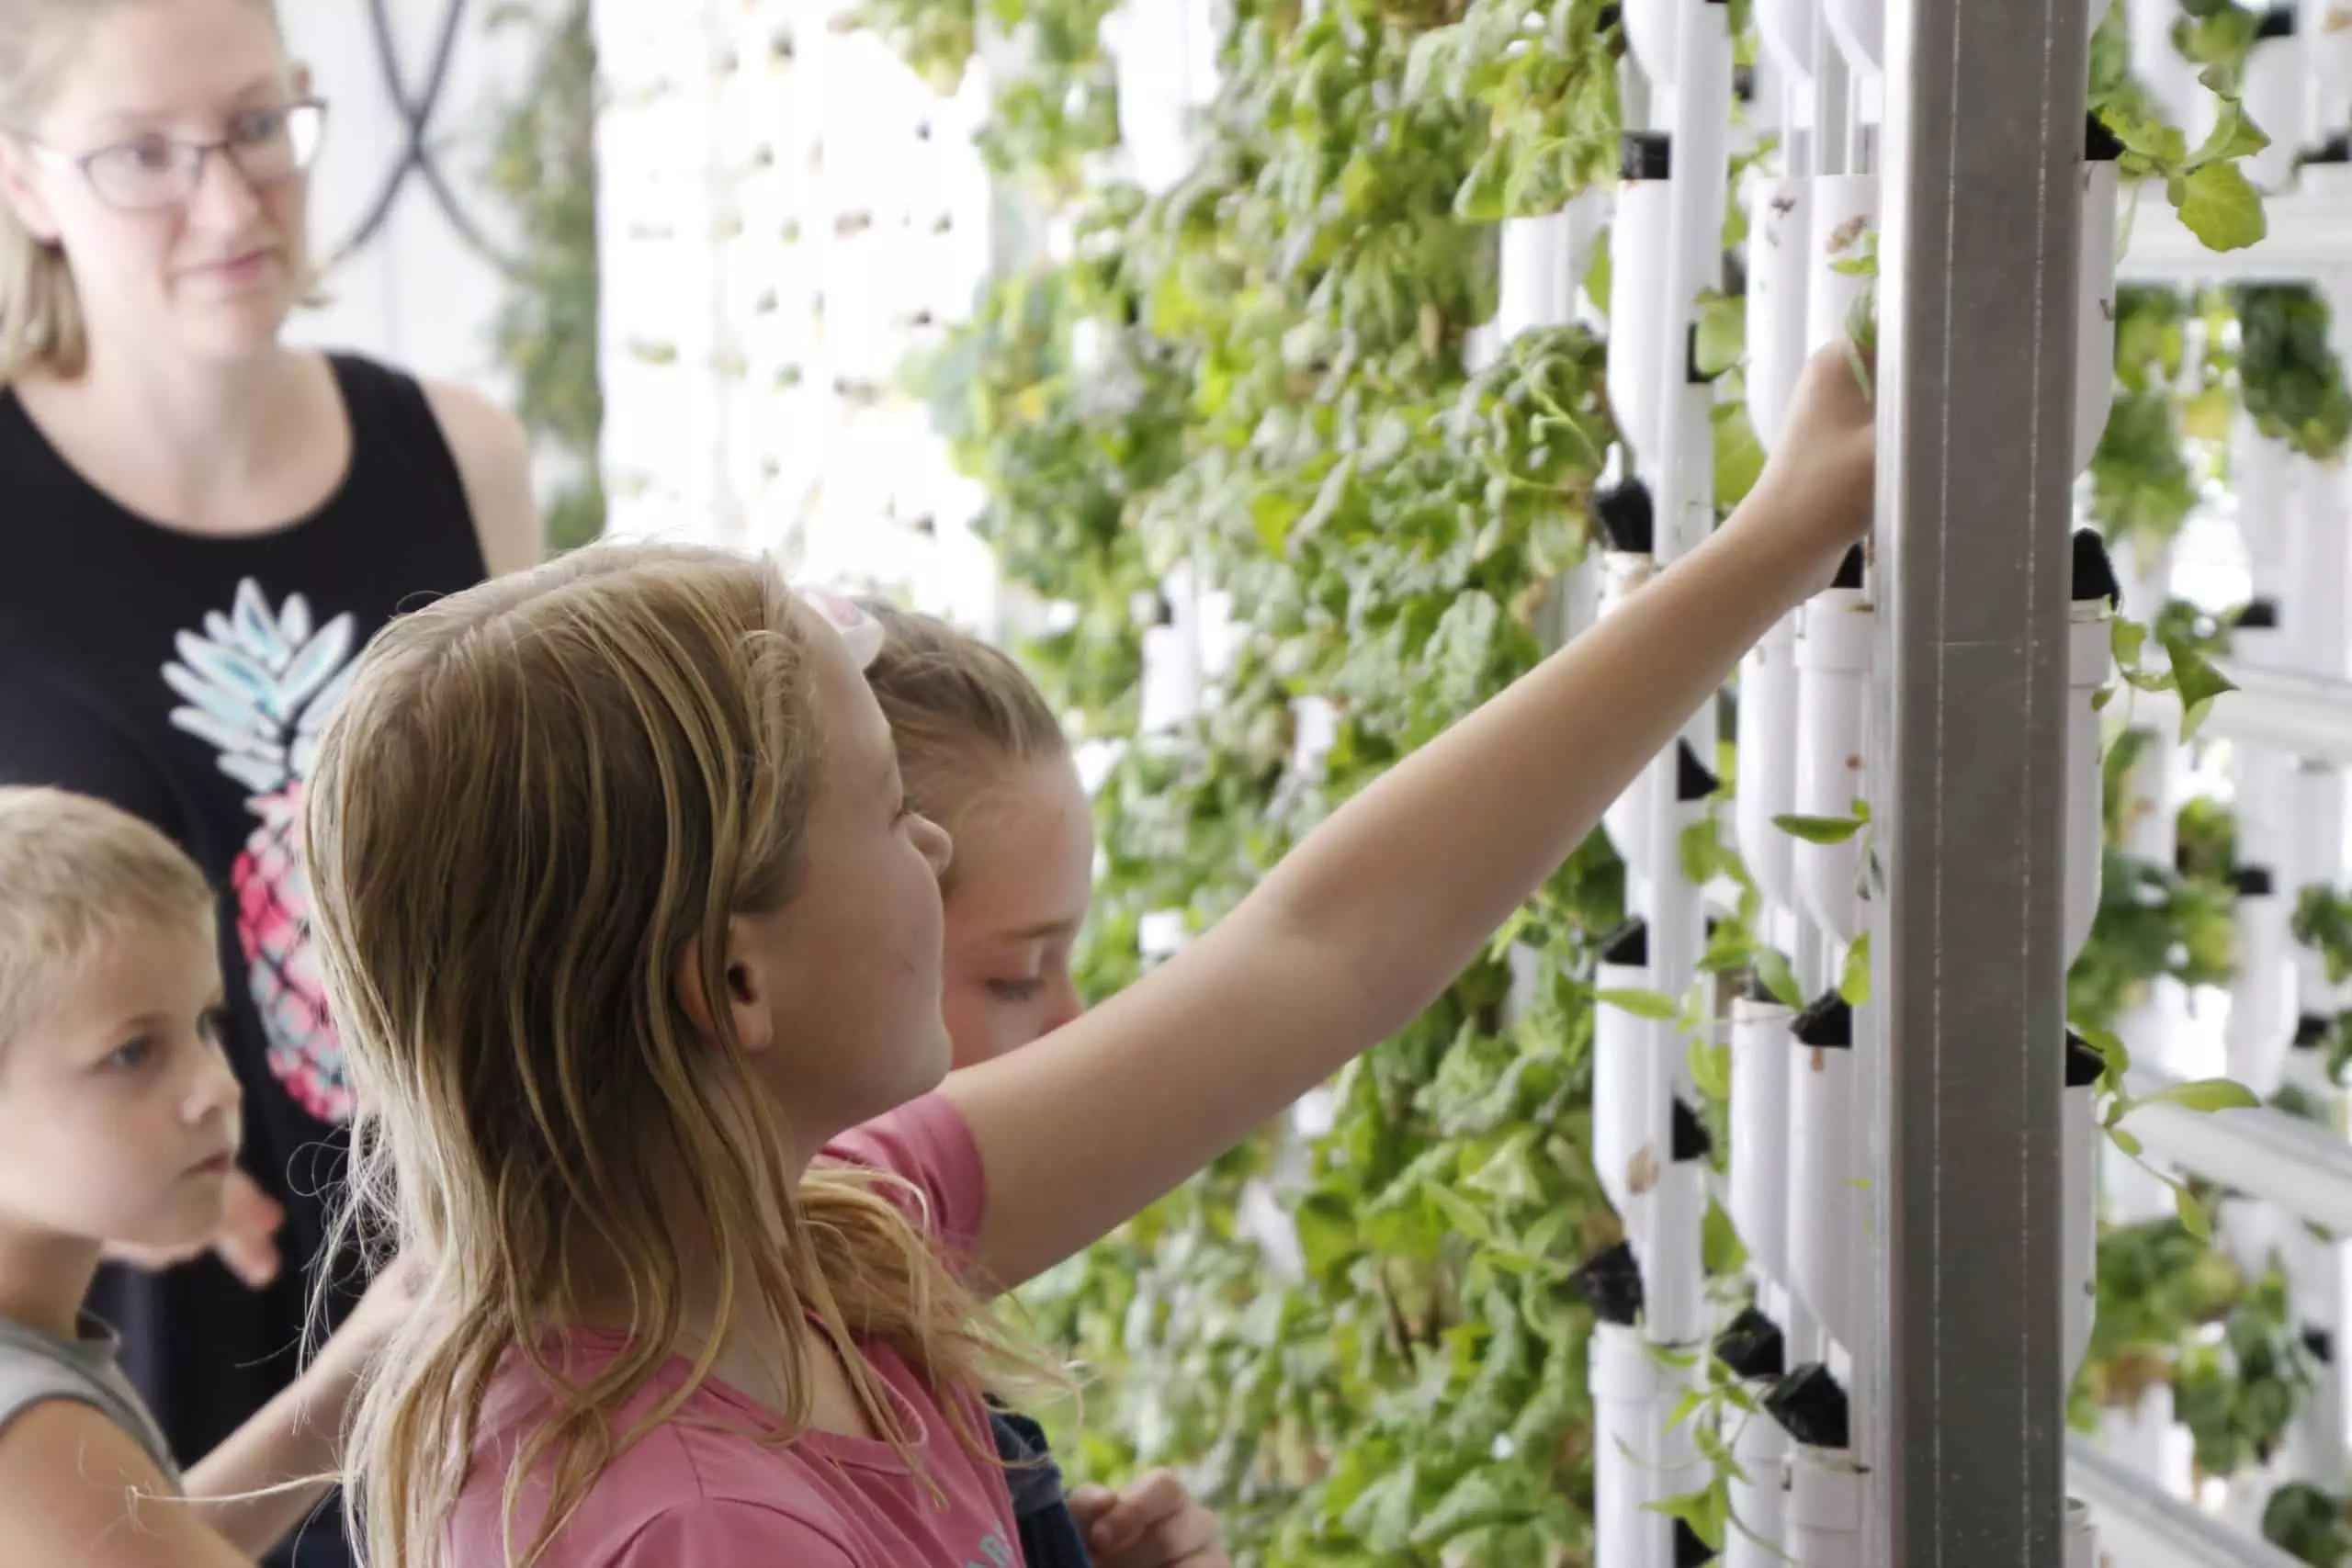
(625, 924)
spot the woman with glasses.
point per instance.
(200, 526)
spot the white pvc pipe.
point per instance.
(2316, 847)
(2262, 1005)
(2088, 660)
(1757, 1535)
(2095, 310)
(1637, 307)
(1621, 1080)
(2313, 1450)
(2142, 1525)
(2318, 562)
(2273, 96)
(1832, 657)
(2078, 1182)
(1786, 28)
(1760, 1132)
(1651, 32)
(1780, 239)
(1845, 207)
(2082, 1536)
(2259, 474)
(1824, 1511)
(1822, 1201)
(1860, 29)
(1543, 266)
(1767, 758)
(1625, 1397)
(2155, 63)
(1673, 1276)
(2267, 1154)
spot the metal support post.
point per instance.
(1983, 225)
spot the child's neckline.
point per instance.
(840, 1448)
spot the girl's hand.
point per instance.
(246, 1242)
(1824, 469)
(1154, 1524)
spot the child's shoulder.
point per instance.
(926, 1143)
(36, 1369)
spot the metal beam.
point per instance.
(1983, 192)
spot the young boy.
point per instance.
(119, 1125)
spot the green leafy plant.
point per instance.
(2308, 1524)
(543, 167)
(2206, 186)
(2291, 380)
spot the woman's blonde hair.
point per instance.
(960, 709)
(41, 321)
(535, 795)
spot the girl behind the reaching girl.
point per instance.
(626, 920)
(984, 757)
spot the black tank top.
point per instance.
(186, 679)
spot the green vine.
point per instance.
(543, 167)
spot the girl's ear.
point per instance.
(746, 998)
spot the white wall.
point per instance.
(782, 202)
(417, 295)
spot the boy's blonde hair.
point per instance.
(535, 795)
(75, 874)
(960, 709)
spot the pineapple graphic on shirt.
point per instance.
(259, 686)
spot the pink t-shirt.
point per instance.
(701, 1491)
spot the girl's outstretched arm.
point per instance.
(1378, 910)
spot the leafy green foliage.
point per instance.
(543, 167)
(2309, 1524)
(2293, 382)
(1261, 375)
(2237, 1394)
(2206, 186)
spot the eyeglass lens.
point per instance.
(267, 146)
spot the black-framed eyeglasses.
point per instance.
(266, 146)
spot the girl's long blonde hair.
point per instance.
(536, 794)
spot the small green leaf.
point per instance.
(1723, 333)
(1711, 1069)
(2124, 640)
(1854, 979)
(1819, 829)
(2205, 1095)
(2220, 207)
(2128, 1142)
(2193, 1218)
(2194, 677)
(1720, 1248)
(2232, 136)
(1650, 1004)
(1772, 968)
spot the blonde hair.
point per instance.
(615, 754)
(41, 321)
(960, 709)
(75, 874)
